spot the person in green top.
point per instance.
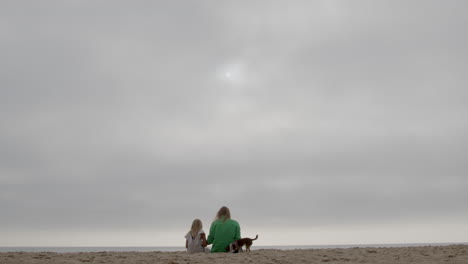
(223, 231)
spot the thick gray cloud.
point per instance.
(118, 115)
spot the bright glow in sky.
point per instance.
(233, 73)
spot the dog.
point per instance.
(236, 246)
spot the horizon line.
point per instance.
(295, 245)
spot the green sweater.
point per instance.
(223, 233)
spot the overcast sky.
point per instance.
(316, 122)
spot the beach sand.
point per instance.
(453, 254)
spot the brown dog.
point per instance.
(237, 245)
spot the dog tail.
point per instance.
(255, 237)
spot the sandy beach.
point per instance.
(453, 254)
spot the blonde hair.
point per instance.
(196, 227)
(224, 213)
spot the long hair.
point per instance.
(223, 213)
(196, 227)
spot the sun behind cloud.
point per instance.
(233, 73)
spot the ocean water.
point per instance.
(173, 249)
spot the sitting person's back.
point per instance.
(223, 231)
(195, 238)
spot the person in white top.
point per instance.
(195, 240)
